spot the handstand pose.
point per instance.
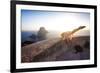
(67, 36)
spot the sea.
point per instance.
(32, 35)
(26, 35)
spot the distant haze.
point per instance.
(53, 34)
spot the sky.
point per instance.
(53, 20)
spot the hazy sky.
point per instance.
(51, 20)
